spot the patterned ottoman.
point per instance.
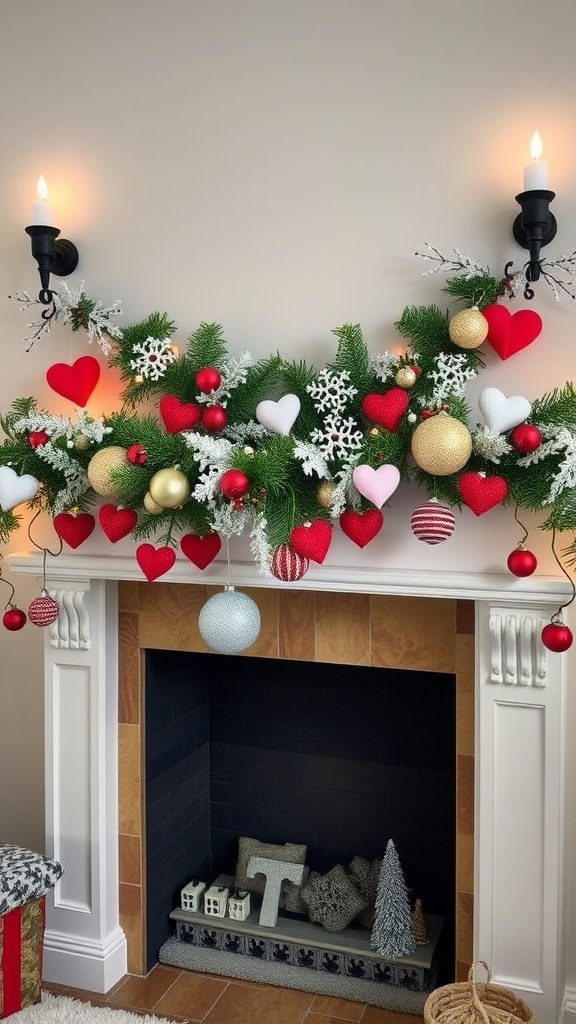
(25, 878)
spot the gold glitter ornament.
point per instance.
(406, 377)
(325, 493)
(100, 469)
(468, 328)
(374, 432)
(152, 506)
(81, 443)
(169, 488)
(441, 445)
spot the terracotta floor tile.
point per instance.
(143, 993)
(340, 1009)
(240, 1004)
(375, 1015)
(191, 996)
(319, 1018)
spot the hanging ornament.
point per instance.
(200, 550)
(74, 527)
(137, 455)
(177, 415)
(361, 527)
(37, 437)
(14, 489)
(377, 485)
(468, 328)
(325, 493)
(387, 409)
(287, 565)
(521, 562)
(81, 443)
(14, 618)
(406, 377)
(234, 484)
(169, 488)
(433, 522)
(481, 492)
(152, 506)
(208, 379)
(43, 610)
(441, 445)
(501, 414)
(556, 636)
(312, 539)
(279, 417)
(100, 468)
(526, 438)
(229, 622)
(76, 382)
(214, 418)
(509, 333)
(116, 522)
(154, 562)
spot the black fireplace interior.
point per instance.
(339, 757)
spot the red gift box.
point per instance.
(21, 944)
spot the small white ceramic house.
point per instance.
(190, 895)
(239, 905)
(215, 900)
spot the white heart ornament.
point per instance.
(14, 489)
(376, 484)
(502, 414)
(280, 416)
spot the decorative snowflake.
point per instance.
(154, 358)
(311, 459)
(330, 391)
(338, 438)
(383, 364)
(490, 445)
(450, 376)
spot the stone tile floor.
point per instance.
(211, 999)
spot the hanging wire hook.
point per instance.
(522, 542)
(45, 551)
(557, 617)
(228, 585)
(9, 603)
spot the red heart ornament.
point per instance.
(154, 562)
(387, 409)
(312, 540)
(177, 415)
(508, 332)
(76, 382)
(74, 529)
(200, 550)
(117, 522)
(361, 527)
(481, 493)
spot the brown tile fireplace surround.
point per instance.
(349, 629)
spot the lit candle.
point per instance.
(536, 170)
(41, 209)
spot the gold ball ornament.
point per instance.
(406, 377)
(81, 443)
(468, 328)
(325, 493)
(152, 506)
(441, 445)
(169, 488)
(100, 469)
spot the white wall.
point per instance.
(273, 166)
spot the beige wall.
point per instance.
(273, 166)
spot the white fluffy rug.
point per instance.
(63, 1010)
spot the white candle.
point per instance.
(42, 212)
(536, 170)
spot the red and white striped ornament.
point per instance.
(287, 564)
(43, 610)
(433, 522)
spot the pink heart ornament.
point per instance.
(280, 416)
(14, 489)
(376, 484)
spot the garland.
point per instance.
(284, 451)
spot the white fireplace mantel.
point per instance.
(523, 724)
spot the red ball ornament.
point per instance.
(521, 562)
(137, 455)
(557, 637)
(208, 379)
(38, 437)
(43, 610)
(14, 618)
(526, 438)
(214, 419)
(287, 564)
(234, 484)
(433, 522)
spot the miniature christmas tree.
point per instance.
(419, 924)
(392, 933)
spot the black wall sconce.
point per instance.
(535, 226)
(54, 255)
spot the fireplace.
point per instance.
(512, 752)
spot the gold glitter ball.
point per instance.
(325, 493)
(152, 506)
(441, 445)
(81, 443)
(405, 377)
(101, 467)
(468, 328)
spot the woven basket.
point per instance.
(466, 1002)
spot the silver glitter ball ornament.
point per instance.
(229, 622)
